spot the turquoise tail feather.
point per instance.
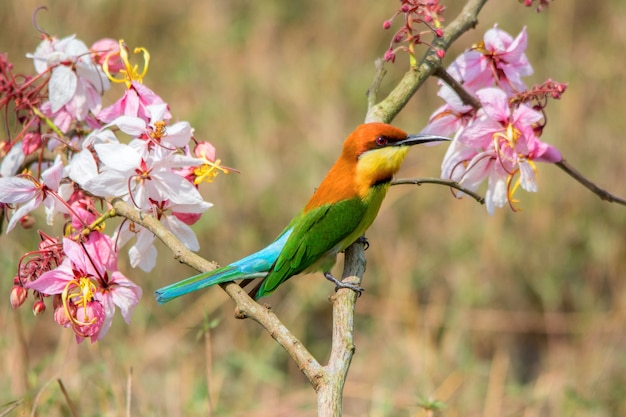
(254, 266)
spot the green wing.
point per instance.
(315, 234)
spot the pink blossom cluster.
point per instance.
(497, 134)
(427, 13)
(71, 156)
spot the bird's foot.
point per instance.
(340, 284)
(364, 241)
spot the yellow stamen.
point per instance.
(511, 190)
(130, 72)
(507, 138)
(79, 292)
(480, 47)
(159, 130)
(208, 171)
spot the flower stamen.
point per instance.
(78, 292)
(130, 72)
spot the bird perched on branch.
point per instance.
(339, 212)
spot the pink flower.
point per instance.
(125, 173)
(156, 133)
(500, 145)
(450, 117)
(90, 287)
(499, 61)
(174, 217)
(134, 103)
(31, 193)
(75, 83)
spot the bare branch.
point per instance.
(330, 394)
(440, 181)
(458, 88)
(603, 194)
(372, 92)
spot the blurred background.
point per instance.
(516, 314)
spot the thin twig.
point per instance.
(129, 391)
(208, 355)
(68, 400)
(35, 402)
(600, 192)
(11, 406)
(458, 88)
(441, 181)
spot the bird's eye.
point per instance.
(381, 141)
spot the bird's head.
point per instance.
(378, 149)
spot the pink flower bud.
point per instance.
(39, 307)
(439, 33)
(405, 8)
(386, 24)
(108, 50)
(27, 222)
(31, 142)
(205, 150)
(60, 316)
(440, 53)
(390, 56)
(18, 296)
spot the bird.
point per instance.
(338, 213)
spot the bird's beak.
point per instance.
(419, 138)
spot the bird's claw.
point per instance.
(340, 284)
(363, 240)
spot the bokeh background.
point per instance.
(515, 314)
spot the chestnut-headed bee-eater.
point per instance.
(339, 212)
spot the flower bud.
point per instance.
(390, 56)
(27, 222)
(39, 307)
(440, 53)
(386, 24)
(205, 150)
(18, 296)
(60, 316)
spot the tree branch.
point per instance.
(441, 181)
(600, 192)
(246, 306)
(372, 92)
(329, 397)
(458, 88)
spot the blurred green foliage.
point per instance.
(515, 314)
